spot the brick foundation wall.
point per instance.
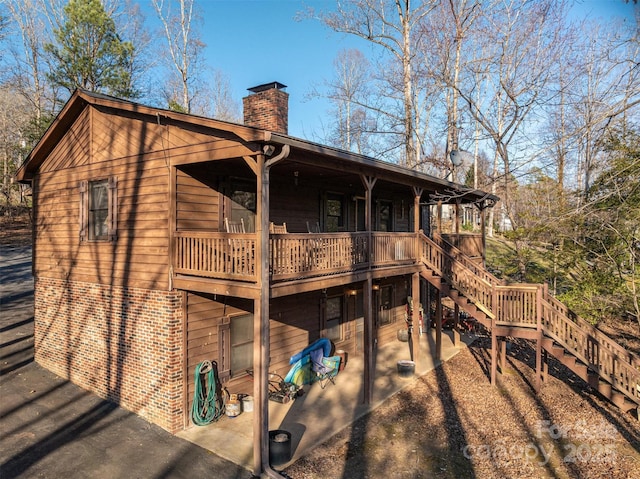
(123, 344)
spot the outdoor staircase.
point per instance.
(529, 311)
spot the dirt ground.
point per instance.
(15, 229)
(453, 424)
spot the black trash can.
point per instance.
(406, 368)
(279, 447)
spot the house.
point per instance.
(155, 248)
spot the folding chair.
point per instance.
(326, 368)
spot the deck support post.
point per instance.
(456, 325)
(538, 384)
(494, 354)
(368, 376)
(261, 326)
(415, 317)
(415, 281)
(369, 350)
(502, 343)
(438, 327)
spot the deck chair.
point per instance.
(277, 229)
(324, 367)
(313, 228)
(234, 226)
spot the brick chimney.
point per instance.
(267, 107)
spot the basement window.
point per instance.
(98, 209)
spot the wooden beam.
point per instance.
(218, 150)
(221, 287)
(261, 326)
(251, 163)
(538, 383)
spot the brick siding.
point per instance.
(123, 344)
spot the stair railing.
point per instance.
(533, 306)
(595, 349)
(458, 274)
(459, 256)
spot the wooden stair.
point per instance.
(505, 310)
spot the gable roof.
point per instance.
(80, 99)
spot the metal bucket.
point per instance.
(233, 408)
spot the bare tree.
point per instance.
(184, 50)
(392, 26)
(15, 115)
(445, 32)
(348, 92)
(222, 104)
(29, 66)
(527, 42)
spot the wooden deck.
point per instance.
(232, 256)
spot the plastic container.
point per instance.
(247, 404)
(279, 447)
(403, 335)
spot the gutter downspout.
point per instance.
(262, 327)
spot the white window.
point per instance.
(98, 210)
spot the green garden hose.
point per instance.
(208, 404)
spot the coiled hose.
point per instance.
(208, 402)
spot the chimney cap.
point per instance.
(267, 86)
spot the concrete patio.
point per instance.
(321, 413)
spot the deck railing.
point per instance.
(311, 254)
(216, 255)
(291, 255)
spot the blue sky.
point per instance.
(259, 41)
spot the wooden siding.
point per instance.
(139, 256)
(126, 135)
(74, 149)
(198, 205)
(294, 205)
(388, 333)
